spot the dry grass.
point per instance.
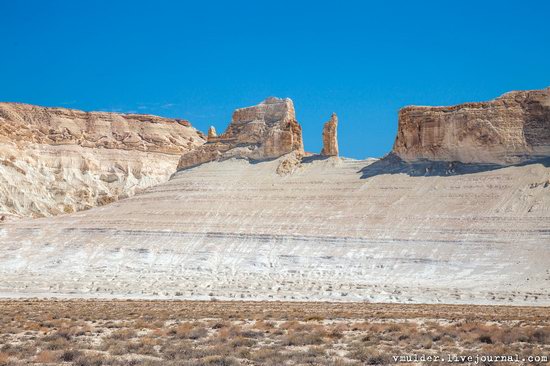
(87, 333)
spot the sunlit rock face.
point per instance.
(212, 133)
(57, 160)
(510, 129)
(265, 131)
(330, 137)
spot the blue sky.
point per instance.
(199, 60)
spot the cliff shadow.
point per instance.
(312, 158)
(393, 164)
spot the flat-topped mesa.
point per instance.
(24, 123)
(510, 129)
(330, 137)
(58, 160)
(265, 131)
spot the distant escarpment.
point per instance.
(57, 160)
(510, 129)
(265, 131)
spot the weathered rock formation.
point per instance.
(299, 228)
(512, 128)
(265, 131)
(212, 133)
(57, 160)
(330, 137)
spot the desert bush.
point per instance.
(69, 355)
(90, 360)
(47, 357)
(123, 334)
(540, 335)
(56, 344)
(115, 347)
(485, 338)
(219, 325)
(293, 338)
(370, 356)
(190, 331)
(268, 356)
(242, 342)
(216, 361)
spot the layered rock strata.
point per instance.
(57, 160)
(265, 131)
(241, 230)
(510, 129)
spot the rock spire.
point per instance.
(330, 137)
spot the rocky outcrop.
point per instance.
(330, 137)
(265, 131)
(510, 129)
(212, 133)
(57, 160)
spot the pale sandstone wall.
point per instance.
(265, 131)
(512, 128)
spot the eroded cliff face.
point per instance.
(510, 129)
(265, 131)
(56, 160)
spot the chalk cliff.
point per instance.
(510, 129)
(57, 160)
(265, 131)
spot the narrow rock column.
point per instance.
(212, 133)
(330, 137)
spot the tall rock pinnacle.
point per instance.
(330, 137)
(212, 133)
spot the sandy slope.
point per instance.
(329, 231)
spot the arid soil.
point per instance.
(92, 332)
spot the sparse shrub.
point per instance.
(189, 331)
(123, 334)
(117, 348)
(485, 338)
(47, 357)
(370, 356)
(541, 335)
(293, 338)
(69, 355)
(219, 325)
(242, 342)
(89, 360)
(217, 361)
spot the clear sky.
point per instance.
(199, 60)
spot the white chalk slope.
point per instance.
(237, 230)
